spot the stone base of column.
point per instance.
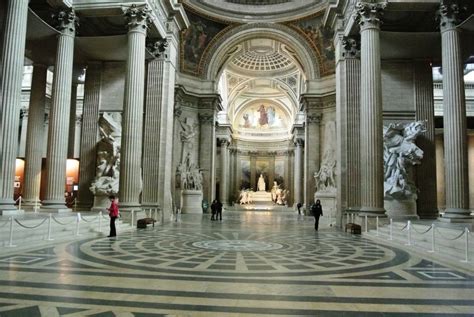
(54, 206)
(11, 212)
(191, 202)
(7, 207)
(372, 212)
(31, 205)
(457, 215)
(129, 207)
(352, 209)
(83, 206)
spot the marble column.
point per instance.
(207, 149)
(89, 134)
(348, 118)
(371, 124)
(426, 171)
(23, 131)
(312, 149)
(132, 121)
(151, 148)
(224, 186)
(12, 73)
(298, 177)
(34, 137)
(59, 114)
(454, 105)
(72, 121)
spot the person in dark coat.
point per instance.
(299, 205)
(317, 211)
(214, 206)
(219, 211)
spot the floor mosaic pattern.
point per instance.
(250, 264)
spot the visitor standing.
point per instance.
(219, 211)
(299, 205)
(113, 214)
(317, 211)
(214, 210)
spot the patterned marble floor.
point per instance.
(250, 264)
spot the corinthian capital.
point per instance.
(157, 48)
(369, 15)
(449, 15)
(138, 18)
(66, 21)
(351, 47)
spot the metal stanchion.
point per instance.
(10, 243)
(466, 231)
(366, 225)
(35, 208)
(133, 217)
(100, 221)
(77, 223)
(432, 239)
(19, 203)
(391, 229)
(408, 232)
(49, 228)
(377, 226)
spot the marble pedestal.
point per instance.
(328, 202)
(191, 202)
(403, 209)
(101, 203)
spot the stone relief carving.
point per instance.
(187, 135)
(188, 174)
(106, 181)
(400, 152)
(326, 176)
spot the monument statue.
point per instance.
(106, 181)
(261, 184)
(187, 134)
(400, 151)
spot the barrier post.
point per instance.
(78, 219)
(366, 224)
(132, 217)
(408, 232)
(10, 243)
(49, 228)
(35, 208)
(156, 214)
(377, 226)
(347, 218)
(432, 239)
(19, 203)
(100, 221)
(391, 229)
(466, 231)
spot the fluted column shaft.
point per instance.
(35, 136)
(72, 122)
(13, 56)
(90, 117)
(207, 149)
(59, 115)
(312, 154)
(298, 185)
(132, 121)
(454, 105)
(426, 171)
(151, 148)
(24, 112)
(224, 187)
(371, 124)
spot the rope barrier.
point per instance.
(32, 227)
(4, 223)
(92, 220)
(413, 227)
(61, 223)
(450, 239)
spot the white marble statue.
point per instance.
(326, 176)
(187, 135)
(261, 184)
(400, 152)
(189, 175)
(106, 181)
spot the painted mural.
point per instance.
(280, 173)
(321, 39)
(195, 39)
(262, 116)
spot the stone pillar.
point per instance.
(23, 131)
(224, 187)
(454, 105)
(59, 114)
(312, 152)
(298, 177)
(426, 171)
(11, 78)
(72, 121)
(207, 149)
(238, 171)
(371, 124)
(348, 127)
(89, 134)
(253, 172)
(34, 137)
(132, 122)
(152, 128)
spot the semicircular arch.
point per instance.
(297, 47)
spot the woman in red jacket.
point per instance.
(113, 214)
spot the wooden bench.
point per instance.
(354, 228)
(142, 223)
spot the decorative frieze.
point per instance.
(157, 48)
(350, 47)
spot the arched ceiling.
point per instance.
(257, 10)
